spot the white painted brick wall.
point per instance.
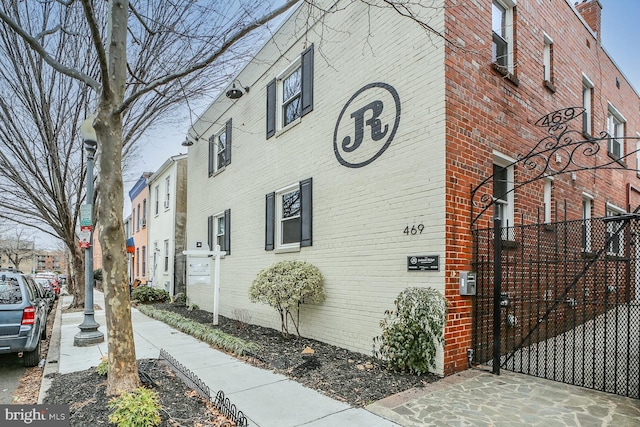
(358, 214)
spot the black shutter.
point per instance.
(306, 213)
(210, 232)
(228, 135)
(271, 108)
(212, 153)
(227, 231)
(307, 80)
(269, 221)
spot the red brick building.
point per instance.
(539, 58)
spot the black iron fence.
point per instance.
(222, 403)
(561, 301)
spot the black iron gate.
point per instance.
(561, 301)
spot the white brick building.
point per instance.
(360, 202)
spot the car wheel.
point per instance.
(31, 358)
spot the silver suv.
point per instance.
(23, 316)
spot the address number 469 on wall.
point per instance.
(414, 229)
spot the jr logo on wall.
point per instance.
(366, 125)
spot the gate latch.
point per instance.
(504, 300)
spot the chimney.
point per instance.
(591, 11)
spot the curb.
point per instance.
(53, 354)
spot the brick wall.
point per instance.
(487, 112)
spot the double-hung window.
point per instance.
(156, 196)
(290, 95)
(587, 104)
(548, 61)
(167, 192)
(288, 217)
(503, 198)
(219, 231)
(587, 203)
(220, 149)
(144, 261)
(166, 255)
(548, 199)
(614, 231)
(503, 35)
(615, 129)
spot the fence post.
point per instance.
(497, 291)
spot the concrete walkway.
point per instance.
(470, 398)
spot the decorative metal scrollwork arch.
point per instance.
(562, 151)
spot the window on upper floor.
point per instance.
(144, 213)
(638, 155)
(587, 104)
(289, 217)
(139, 219)
(290, 95)
(548, 63)
(219, 231)
(503, 34)
(220, 149)
(156, 197)
(615, 129)
(167, 192)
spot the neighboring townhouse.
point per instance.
(167, 225)
(139, 195)
(364, 134)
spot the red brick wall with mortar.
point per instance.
(486, 112)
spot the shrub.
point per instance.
(103, 366)
(285, 285)
(180, 299)
(97, 274)
(193, 307)
(149, 294)
(140, 408)
(411, 333)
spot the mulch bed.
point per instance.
(344, 375)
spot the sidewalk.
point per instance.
(469, 398)
(266, 398)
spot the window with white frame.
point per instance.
(587, 104)
(144, 261)
(587, 203)
(615, 129)
(220, 149)
(638, 155)
(167, 192)
(144, 213)
(166, 255)
(218, 231)
(156, 197)
(548, 187)
(503, 197)
(290, 94)
(614, 231)
(548, 59)
(288, 217)
(503, 36)
(139, 219)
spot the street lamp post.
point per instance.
(89, 333)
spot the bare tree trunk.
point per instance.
(77, 288)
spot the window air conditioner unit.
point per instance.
(166, 204)
(144, 222)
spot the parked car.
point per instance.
(53, 278)
(46, 290)
(23, 316)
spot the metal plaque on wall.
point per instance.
(423, 263)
